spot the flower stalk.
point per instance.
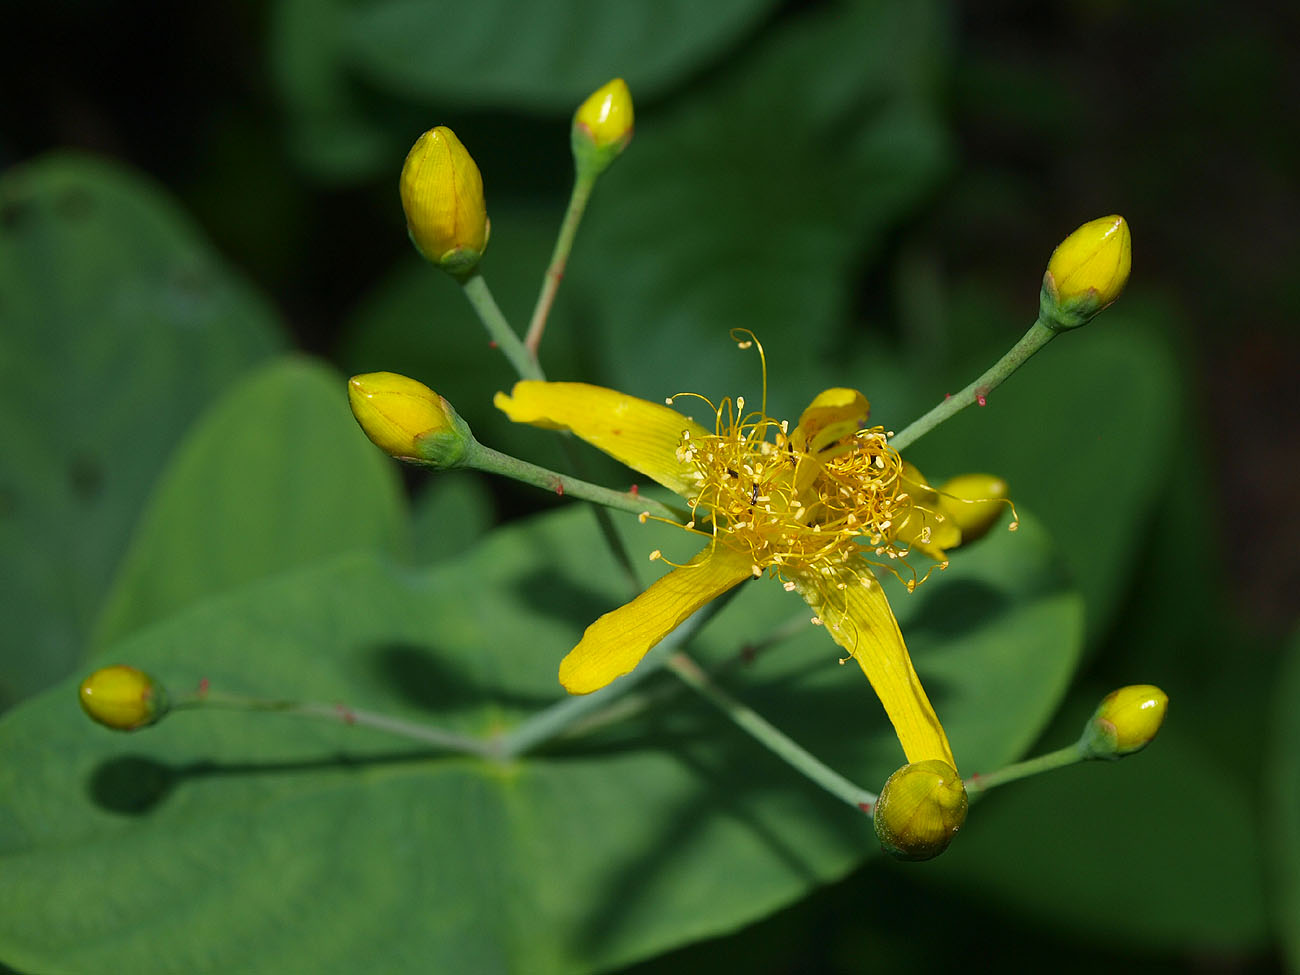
(767, 734)
(498, 328)
(583, 184)
(494, 462)
(978, 391)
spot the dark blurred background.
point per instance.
(1178, 115)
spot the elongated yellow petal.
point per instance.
(859, 619)
(643, 435)
(834, 414)
(616, 642)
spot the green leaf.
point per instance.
(1169, 855)
(546, 57)
(341, 63)
(275, 475)
(1160, 849)
(754, 202)
(117, 325)
(221, 841)
(1283, 801)
(1084, 436)
(451, 514)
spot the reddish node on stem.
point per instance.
(634, 490)
(982, 396)
(947, 395)
(204, 687)
(559, 488)
(866, 807)
(346, 714)
(492, 344)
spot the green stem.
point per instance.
(769, 736)
(494, 462)
(340, 714)
(977, 392)
(582, 187)
(498, 329)
(1020, 770)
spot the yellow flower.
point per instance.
(1087, 272)
(1126, 721)
(408, 420)
(815, 507)
(122, 698)
(442, 194)
(602, 126)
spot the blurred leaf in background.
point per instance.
(873, 186)
(118, 324)
(588, 855)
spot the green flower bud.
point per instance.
(920, 810)
(123, 698)
(1125, 721)
(408, 420)
(1087, 272)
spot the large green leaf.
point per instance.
(754, 202)
(1084, 435)
(117, 325)
(275, 475)
(1283, 798)
(1169, 854)
(228, 842)
(338, 60)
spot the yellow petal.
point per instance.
(834, 414)
(643, 435)
(616, 642)
(859, 619)
(927, 527)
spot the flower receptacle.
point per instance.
(920, 810)
(1125, 722)
(123, 698)
(408, 420)
(1086, 273)
(602, 128)
(442, 195)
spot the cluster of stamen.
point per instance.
(791, 508)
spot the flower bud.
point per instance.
(123, 698)
(920, 810)
(1125, 722)
(1087, 272)
(442, 194)
(602, 127)
(408, 420)
(926, 526)
(973, 502)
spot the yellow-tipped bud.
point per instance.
(602, 127)
(1125, 722)
(442, 194)
(408, 420)
(926, 526)
(1087, 272)
(920, 810)
(973, 502)
(123, 698)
